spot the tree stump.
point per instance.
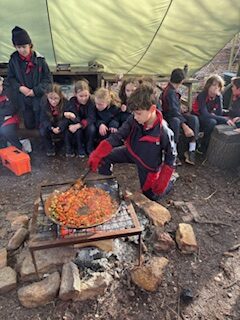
(224, 147)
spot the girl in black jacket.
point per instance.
(52, 122)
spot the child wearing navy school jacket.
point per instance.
(27, 79)
(8, 120)
(148, 143)
(52, 121)
(81, 115)
(126, 89)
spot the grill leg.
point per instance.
(139, 249)
(34, 263)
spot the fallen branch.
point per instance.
(210, 196)
(231, 284)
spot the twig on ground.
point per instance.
(235, 247)
(231, 284)
(214, 222)
(204, 161)
(162, 304)
(228, 254)
(173, 312)
(210, 196)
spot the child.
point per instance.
(52, 122)
(234, 110)
(81, 114)
(107, 113)
(126, 89)
(208, 106)
(8, 120)
(146, 138)
(27, 79)
(177, 120)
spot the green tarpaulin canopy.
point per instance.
(125, 36)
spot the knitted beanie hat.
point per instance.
(20, 37)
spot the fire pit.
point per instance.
(46, 234)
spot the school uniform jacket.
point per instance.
(171, 104)
(7, 110)
(51, 118)
(206, 107)
(38, 80)
(85, 114)
(109, 117)
(146, 146)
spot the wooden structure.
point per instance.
(224, 147)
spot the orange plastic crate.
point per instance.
(15, 160)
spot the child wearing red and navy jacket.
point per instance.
(52, 122)
(147, 138)
(208, 106)
(81, 115)
(8, 120)
(180, 121)
(27, 79)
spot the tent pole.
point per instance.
(234, 40)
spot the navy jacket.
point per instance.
(234, 110)
(171, 104)
(48, 119)
(85, 112)
(109, 117)
(205, 107)
(146, 146)
(38, 80)
(6, 109)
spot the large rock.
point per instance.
(150, 275)
(186, 239)
(19, 221)
(158, 214)
(40, 293)
(8, 279)
(95, 286)
(70, 282)
(105, 245)
(17, 239)
(47, 260)
(3, 258)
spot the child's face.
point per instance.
(24, 49)
(53, 98)
(214, 89)
(82, 96)
(142, 116)
(1, 88)
(235, 90)
(130, 87)
(100, 104)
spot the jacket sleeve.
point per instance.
(7, 109)
(91, 117)
(44, 117)
(117, 139)
(168, 145)
(45, 81)
(11, 81)
(174, 106)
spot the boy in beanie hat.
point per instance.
(8, 121)
(27, 79)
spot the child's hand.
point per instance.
(103, 129)
(74, 127)
(237, 130)
(230, 122)
(123, 108)
(24, 90)
(56, 130)
(112, 130)
(69, 115)
(188, 132)
(30, 93)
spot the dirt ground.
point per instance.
(213, 278)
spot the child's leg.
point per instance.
(29, 118)
(207, 125)
(78, 135)
(9, 133)
(175, 125)
(90, 135)
(47, 141)
(118, 155)
(68, 141)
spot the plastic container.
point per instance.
(15, 160)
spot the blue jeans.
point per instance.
(9, 134)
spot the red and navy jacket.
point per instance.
(52, 117)
(207, 107)
(146, 146)
(85, 114)
(7, 111)
(38, 79)
(109, 117)
(234, 110)
(171, 103)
